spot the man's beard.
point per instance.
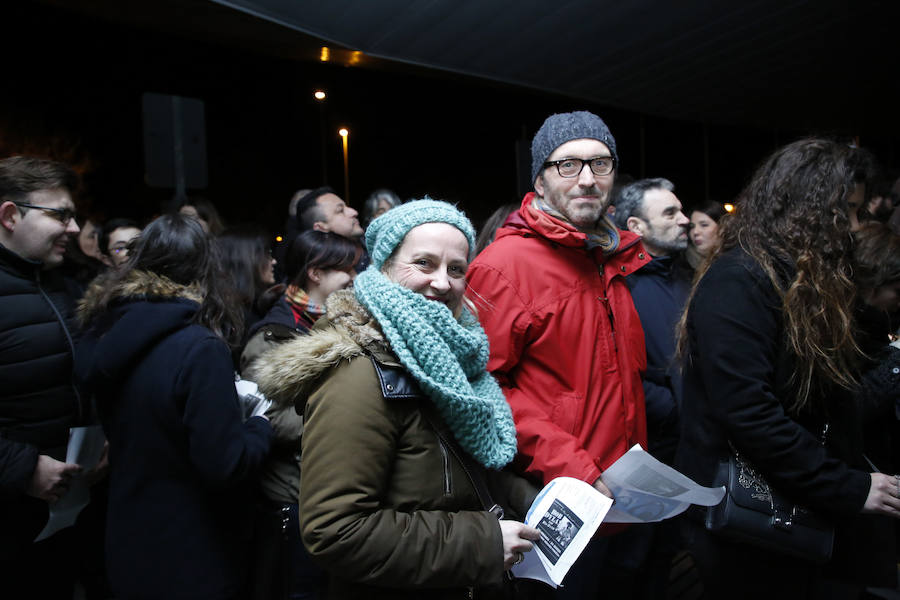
(584, 217)
(668, 246)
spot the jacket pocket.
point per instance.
(445, 462)
(568, 412)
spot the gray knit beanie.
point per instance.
(386, 232)
(565, 127)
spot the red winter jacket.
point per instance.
(566, 343)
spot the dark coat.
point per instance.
(178, 520)
(38, 401)
(278, 325)
(280, 475)
(866, 545)
(879, 385)
(736, 388)
(660, 291)
(280, 313)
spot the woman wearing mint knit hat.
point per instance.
(405, 431)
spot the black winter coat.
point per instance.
(736, 387)
(38, 401)
(866, 548)
(180, 457)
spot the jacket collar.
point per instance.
(525, 222)
(396, 382)
(628, 258)
(660, 264)
(23, 267)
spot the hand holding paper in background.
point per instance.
(86, 446)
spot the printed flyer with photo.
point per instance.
(568, 511)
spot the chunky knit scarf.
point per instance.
(448, 358)
(605, 235)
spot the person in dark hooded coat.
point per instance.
(155, 358)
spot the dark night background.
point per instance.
(73, 82)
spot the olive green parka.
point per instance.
(386, 505)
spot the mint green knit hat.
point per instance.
(386, 232)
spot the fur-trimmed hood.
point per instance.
(288, 373)
(126, 318)
(137, 285)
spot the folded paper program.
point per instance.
(568, 511)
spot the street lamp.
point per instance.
(320, 96)
(345, 136)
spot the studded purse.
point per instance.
(755, 513)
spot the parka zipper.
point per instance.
(445, 458)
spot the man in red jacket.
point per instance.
(566, 342)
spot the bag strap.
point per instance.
(406, 387)
(472, 470)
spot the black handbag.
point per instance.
(753, 512)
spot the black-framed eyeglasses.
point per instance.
(63, 215)
(572, 167)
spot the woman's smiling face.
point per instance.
(432, 261)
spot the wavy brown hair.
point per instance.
(792, 219)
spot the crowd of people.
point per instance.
(368, 409)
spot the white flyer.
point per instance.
(85, 449)
(567, 512)
(647, 490)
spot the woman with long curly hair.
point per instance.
(770, 362)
